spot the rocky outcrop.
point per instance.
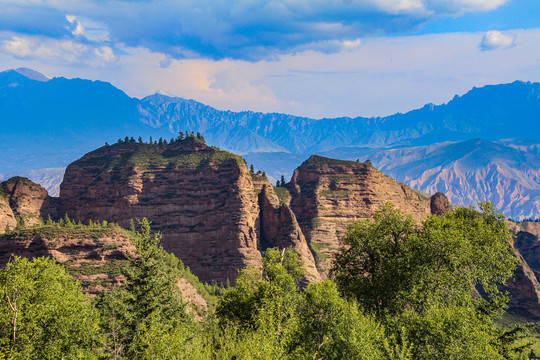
(279, 228)
(95, 257)
(200, 198)
(7, 218)
(27, 200)
(440, 204)
(524, 288)
(328, 195)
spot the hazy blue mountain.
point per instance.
(51, 123)
(491, 112)
(48, 123)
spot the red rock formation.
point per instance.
(94, 256)
(329, 195)
(279, 228)
(200, 198)
(7, 218)
(440, 204)
(27, 200)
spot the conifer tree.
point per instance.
(283, 180)
(67, 221)
(152, 297)
(251, 169)
(181, 135)
(140, 140)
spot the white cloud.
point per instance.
(78, 29)
(62, 51)
(480, 5)
(496, 40)
(244, 29)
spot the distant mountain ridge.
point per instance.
(492, 112)
(47, 123)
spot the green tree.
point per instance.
(329, 327)
(283, 180)
(264, 297)
(424, 278)
(151, 307)
(43, 313)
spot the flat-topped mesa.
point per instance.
(328, 195)
(27, 200)
(200, 198)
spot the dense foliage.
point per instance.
(397, 290)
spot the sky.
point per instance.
(315, 58)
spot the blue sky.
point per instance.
(318, 58)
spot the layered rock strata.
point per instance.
(279, 228)
(27, 201)
(95, 257)
(200, 198)
(328, 195)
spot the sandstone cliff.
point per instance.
(328, 195)
(279, 228)
(27, 200)
(200, 198)
(95, 257)
(525, 287)
(7, 218)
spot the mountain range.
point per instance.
(483, 145)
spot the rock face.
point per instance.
(328, 195)
(525, 287)
(27, 200)
(279, 228)
(440, 204)
(200, 198)
(94, 257)
(7, 218)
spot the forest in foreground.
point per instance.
(396, 290)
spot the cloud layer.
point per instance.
(218, 29)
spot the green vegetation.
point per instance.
(65, 229)
(396, 291)
(148, 156)
(44, 314)
(422, 281)
(282, 194)
(321, 160)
